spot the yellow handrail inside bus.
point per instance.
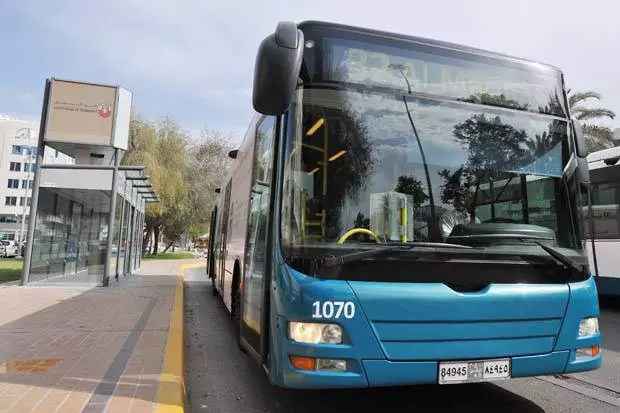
(359, 231)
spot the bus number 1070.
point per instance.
(333, 309)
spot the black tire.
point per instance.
(214, 291)
(236, 315)
(236, 308)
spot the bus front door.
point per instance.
(257, 254)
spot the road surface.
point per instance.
(221, 379)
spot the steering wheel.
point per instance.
(359, 231)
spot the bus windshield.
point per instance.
(398, 168)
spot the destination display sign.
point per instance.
(473, 79)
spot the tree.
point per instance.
(491, 143)
(361, 221)
(495, 100)
(493, 148)
(410, 185)
(209, 162)
(162, 149)
(597, 136)
(456, 189)
(346, 131)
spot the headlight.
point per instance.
(588, 327)
(315, 333)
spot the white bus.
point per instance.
(604, 239)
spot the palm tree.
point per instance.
(597, 136)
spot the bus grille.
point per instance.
(443, 340)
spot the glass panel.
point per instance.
(413, 169)
(605, 211)
(84, 240)
(98, 243)
(257, 228)
(115, 233)
(129, 237)
(69, 240)
(429, 67)
(73, 237)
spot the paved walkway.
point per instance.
(76, 349)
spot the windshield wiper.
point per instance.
(360, 255)
(564, 259)
(536, 239)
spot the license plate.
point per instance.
(453, 372)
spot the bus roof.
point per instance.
(604, 158)
(430, 42)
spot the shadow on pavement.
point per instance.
(609, 324)
(222, 379)
(117, 333)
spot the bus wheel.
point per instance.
(236, 310)
(213, 289)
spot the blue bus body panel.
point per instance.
(583, 303)
(401, 331)
(394, 373)
(434, 322)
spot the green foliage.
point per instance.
(597, 136)
(184, 174)
(495, 100)
(209, 162)
(10, 269)
(492, 144)
(410, 185)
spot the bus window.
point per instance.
(256, 250)
(605, 207)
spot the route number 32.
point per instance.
(333, 309)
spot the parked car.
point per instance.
(10, 249)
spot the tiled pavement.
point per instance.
(77, 349)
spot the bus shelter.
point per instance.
(85, 230)
(86, 219)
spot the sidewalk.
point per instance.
(75, 349)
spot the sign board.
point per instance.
(87, 114)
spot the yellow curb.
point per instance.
(171, 392)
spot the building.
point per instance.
(19, 140)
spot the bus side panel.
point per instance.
(583, 304)
(216, 234)
(608, 263)
(239, 209)
(293, 295)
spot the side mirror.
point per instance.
(580, 142)
(583, 171)
(276, 70)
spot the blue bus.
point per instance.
(404, 211)
(603, 223)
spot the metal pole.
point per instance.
(108, 252)
(120, 240)
(24, 209)
(35, 187)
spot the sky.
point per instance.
(194, 60)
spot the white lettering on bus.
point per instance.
(333, 309)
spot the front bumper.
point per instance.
(379, 373)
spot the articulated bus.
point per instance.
(405, 211)
(604, 233)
